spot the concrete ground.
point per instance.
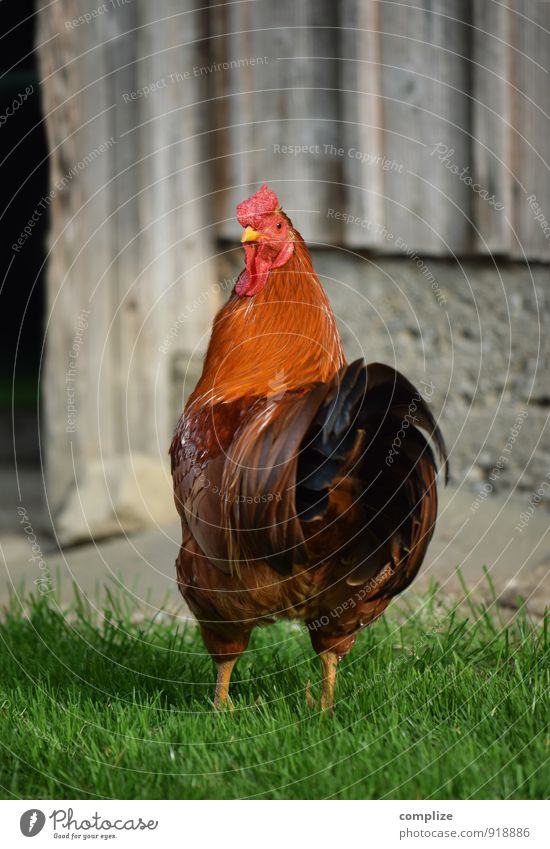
(143, 564)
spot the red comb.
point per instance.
(262, 203)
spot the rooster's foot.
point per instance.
(221, 697)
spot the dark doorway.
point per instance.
(23, 184)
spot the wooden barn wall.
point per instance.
(367, 89)
(130, 243)
(511, 123)
(388, 82)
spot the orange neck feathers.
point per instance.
(281, 339)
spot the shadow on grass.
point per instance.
(104, 655)
(111, 654)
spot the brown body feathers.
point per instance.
(294, 500)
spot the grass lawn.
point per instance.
(432, 703)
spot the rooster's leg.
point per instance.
(329, 664)
(225, 668)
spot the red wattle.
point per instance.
(259, 263)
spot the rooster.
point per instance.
(304, 485)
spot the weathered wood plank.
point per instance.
(363, 123)
(425, 83)
(175, 239)
(130, 243)
(492, 128)
(511, 121)
(529, 66)
(77, 109)
(284, 96)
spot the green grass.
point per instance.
(431, 704)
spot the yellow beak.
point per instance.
(250, 235)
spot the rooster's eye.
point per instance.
(279, 226)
